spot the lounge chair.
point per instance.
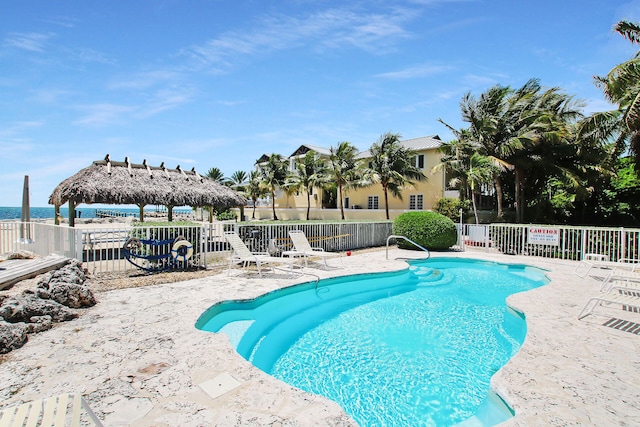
(242, 254)
(602, 262)
(620, 297)
(58, 411)
(302, 247)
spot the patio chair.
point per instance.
(602, 262)
(303, 248)
(57, 411)
(242, 255)
(627, 300)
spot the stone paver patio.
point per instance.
(138, 359)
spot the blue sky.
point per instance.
(204, 83)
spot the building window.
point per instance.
(416, 202)
(372, 202)
(346, 203)
(420, 161)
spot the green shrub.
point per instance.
(226, 215)
(450, 207)
(429, 229)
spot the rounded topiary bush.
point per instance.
(429, 229)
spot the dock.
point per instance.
(14, 270)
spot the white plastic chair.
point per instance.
(303, 247)
(242, 254)
(57, 411)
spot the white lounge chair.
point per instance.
(58, 411)
(302, 247)
(625, 299)
(242, 254)
(600, 261)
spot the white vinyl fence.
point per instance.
(105, 250)
(157, 248)
(554, 241)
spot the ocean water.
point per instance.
(85, 212)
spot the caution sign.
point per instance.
(543, 236)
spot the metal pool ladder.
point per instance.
(394, 236)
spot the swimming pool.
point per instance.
(414, 347)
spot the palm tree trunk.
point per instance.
(497, 182)
(518, 197)
(475, 209)
(308, 204)
(253, 215)
(273, 205)
(386, 202)
(341, 203)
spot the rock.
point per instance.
(21, 308)
(21, 255)
(39, 324)
(72, 295)
(66, 286)
(12, 336)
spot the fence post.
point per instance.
(623, 244)
(77, 233)
(583, 243)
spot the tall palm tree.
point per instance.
(344, 170)
(393, 166)
(254, 190)
(621, 86)
(274, 174)
(217, 175)
(544, 122)
(489, 127)
(310, 172)
(456, 161)
(237, 180)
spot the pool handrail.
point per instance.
(396, 236)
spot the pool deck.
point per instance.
(138, 359)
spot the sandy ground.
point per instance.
(138, 359)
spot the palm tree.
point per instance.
(489, 127)
(217, 175)
(544, 124)
(310, 173)
(393, 166)
(621, 86)
(238, 180)
(274, 174)
(344, 169)
(456, 161)
(254, 190)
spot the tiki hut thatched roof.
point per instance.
(123, 183)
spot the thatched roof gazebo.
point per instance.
(125, 183)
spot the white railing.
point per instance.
(41, 239)
(101, 249)
(554, 241)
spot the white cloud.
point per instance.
(335, 28)
(33, 42)
(104, 114)
(414, 72)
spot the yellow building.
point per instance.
(368, 202)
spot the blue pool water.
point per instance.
(416, 347)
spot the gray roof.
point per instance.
(305, 148)
(414, 144)
(115, 183)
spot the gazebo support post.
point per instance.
(241, 213)
(210, 209)
(169, 213)
(56, 214)
(72, 213)
(141, 206)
